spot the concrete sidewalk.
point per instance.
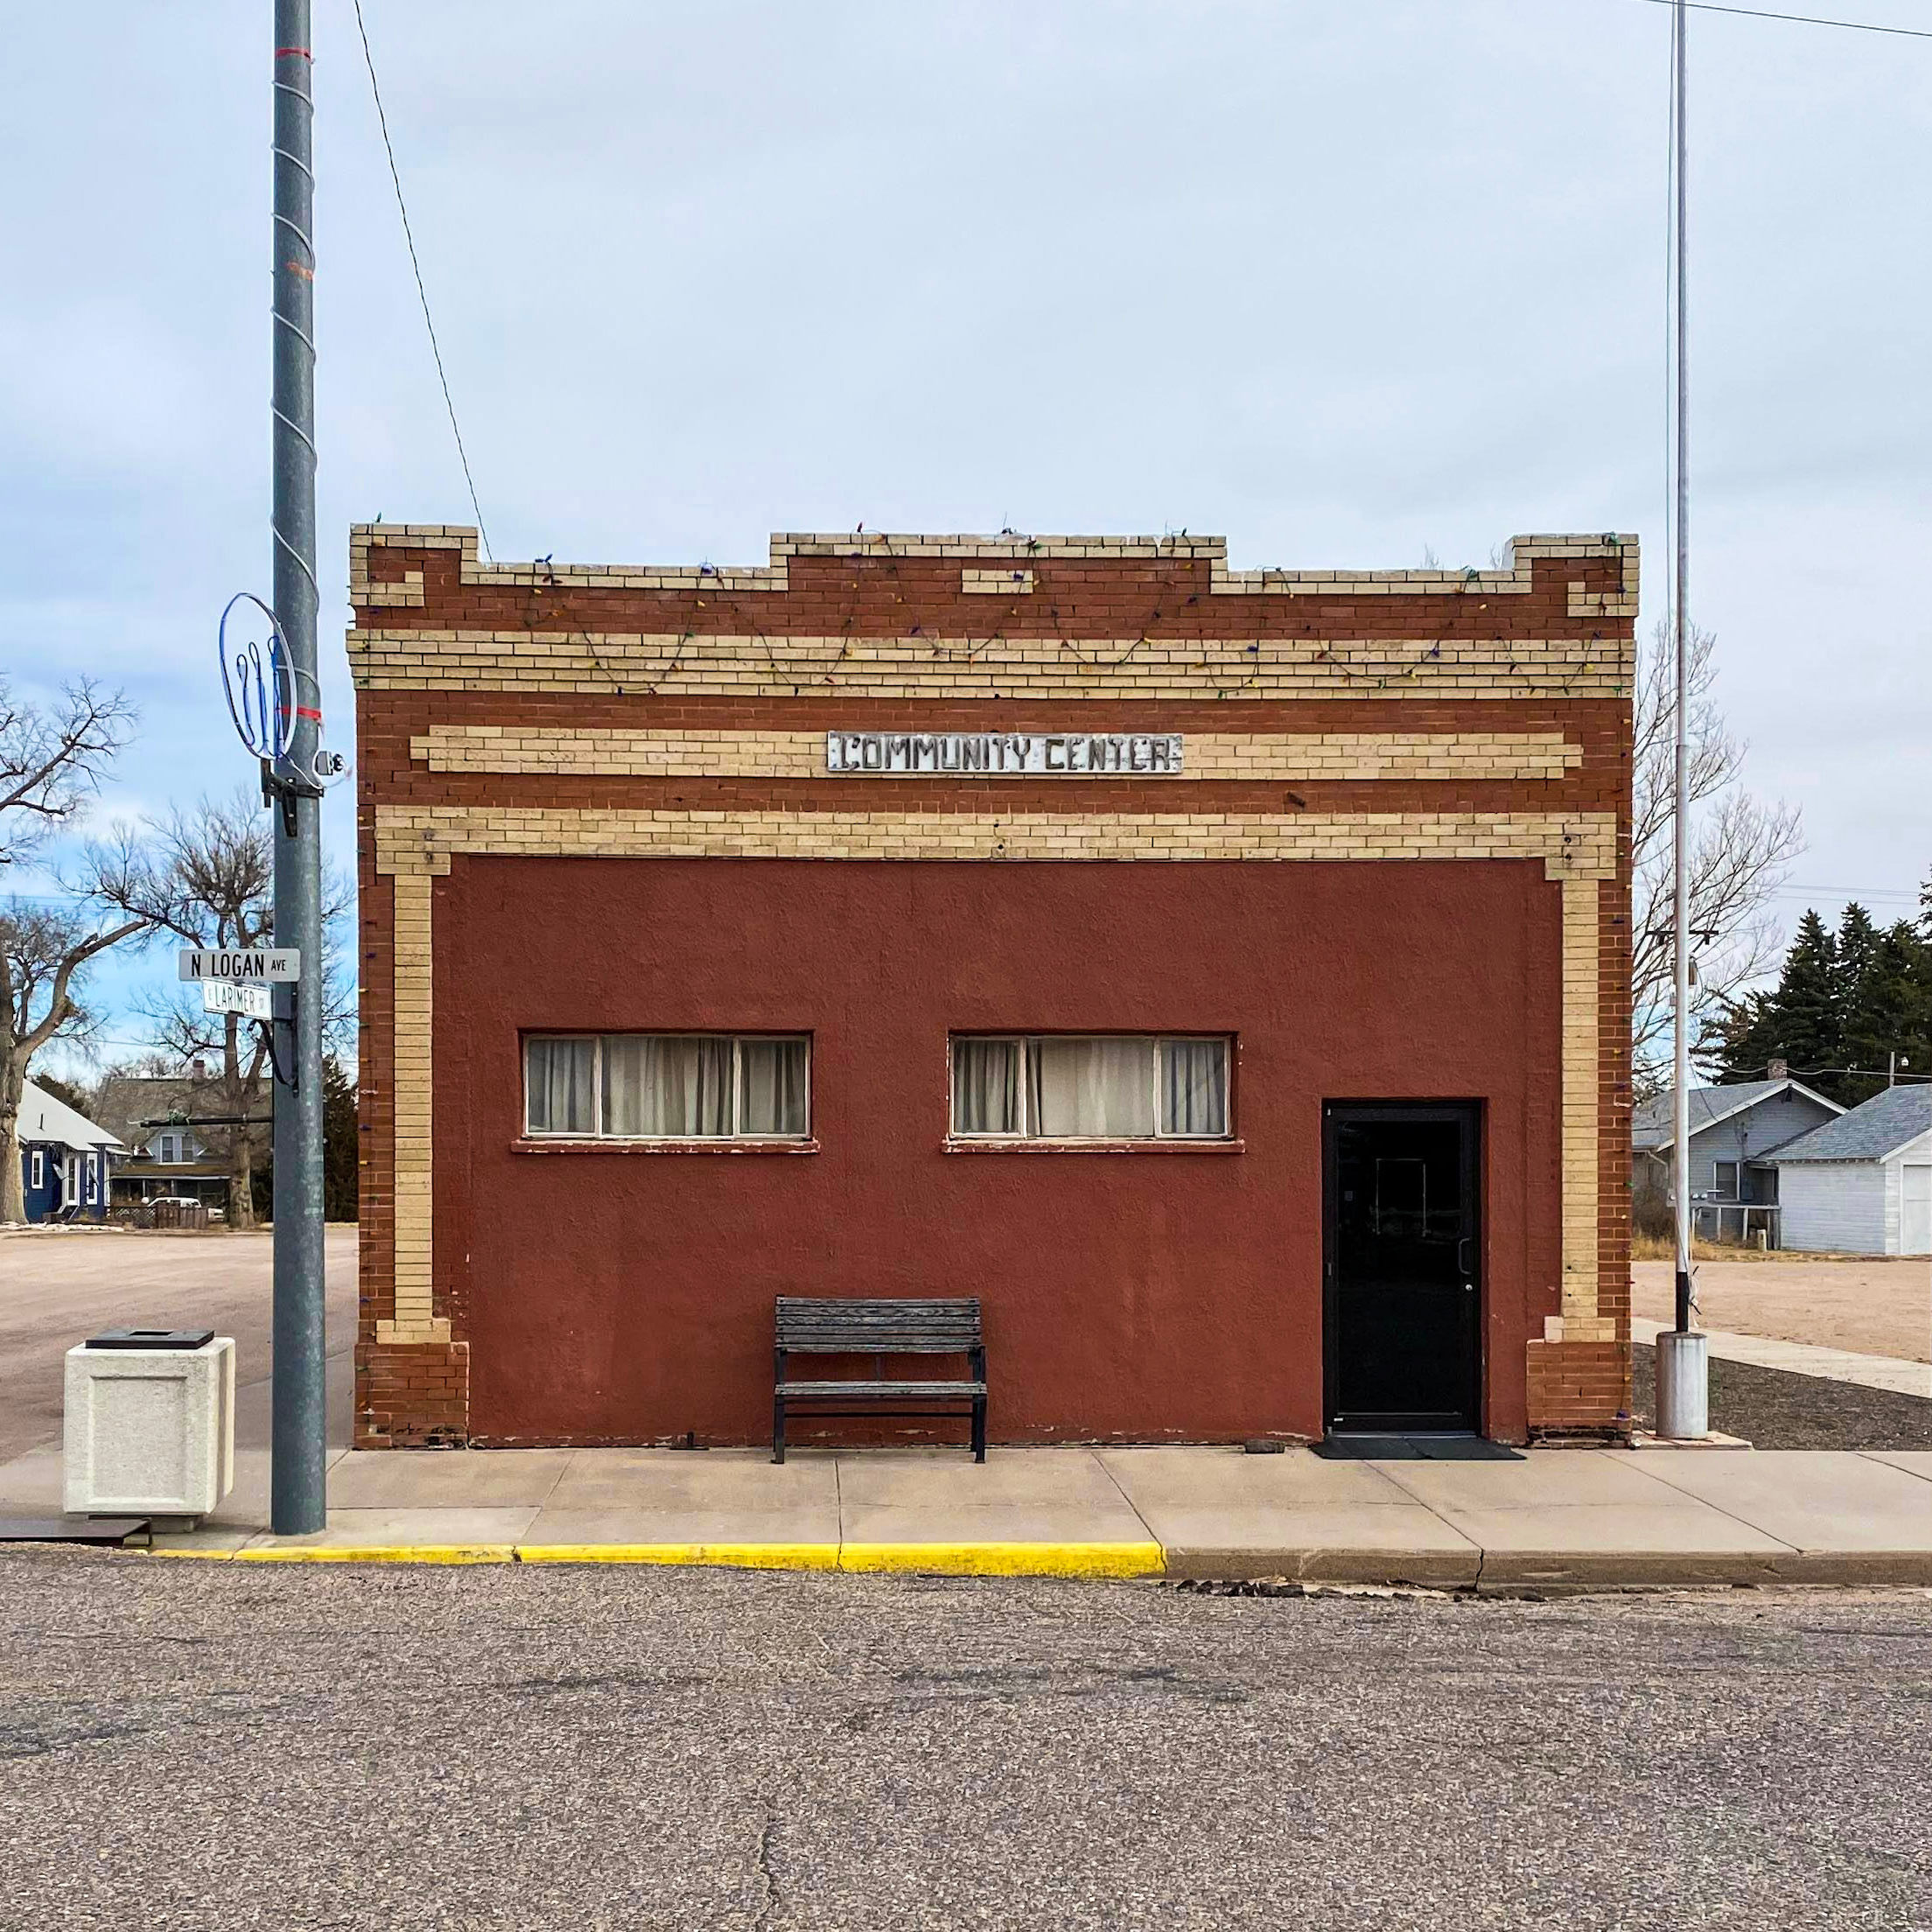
(1895, 1373)
(1551, 1517)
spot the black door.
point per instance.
(1403, 1296)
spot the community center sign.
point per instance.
(954, 754)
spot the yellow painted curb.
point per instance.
(1007, 1559)
(718, 1555)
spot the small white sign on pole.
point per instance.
(246, 963)
(228, 996)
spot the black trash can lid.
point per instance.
(152, 1338)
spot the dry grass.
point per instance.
(1662, 1248)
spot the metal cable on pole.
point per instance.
(423, 293)
(298, 1503)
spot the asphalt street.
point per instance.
(56, 1289)
(214, 1746)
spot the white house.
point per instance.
(1862, 1184)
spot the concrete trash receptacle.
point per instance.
(150, 1423)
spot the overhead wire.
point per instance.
(1800, 20)
(409, 236)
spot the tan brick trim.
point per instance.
(413, 843)
(1013, 582)
(1260, 755)
(416, 1320)
(1581, 1105)
(988, 552)
(611, 664)
(422, 838)
(405, 592)
(1583, 602)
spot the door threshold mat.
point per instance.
(1415, 1449)
(114, 1531)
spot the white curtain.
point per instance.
(986, 1087)
(1091, 1088)
(677, 1086)
(1194, 1087)
(563, 1098)
(771, 1087)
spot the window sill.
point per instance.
(612, 1146)
(963, 1145)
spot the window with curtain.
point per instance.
(1089, 1087)
(667, 1086)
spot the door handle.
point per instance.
(1462, 1259)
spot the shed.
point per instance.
(1862, 1184)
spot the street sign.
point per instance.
(241, 963)
(228, 996)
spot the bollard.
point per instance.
(1683, 1386)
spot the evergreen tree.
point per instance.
(1798, 1021)
(1842, 1002)
(341, 1144)
(65, 1093)
(341, 1149)
(1888, 1010)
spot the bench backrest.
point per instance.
(846, 1327)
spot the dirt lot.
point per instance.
(58, 1287)
(1876, 1307)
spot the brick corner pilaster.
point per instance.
(412, 1394)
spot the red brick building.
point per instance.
(1223, 975)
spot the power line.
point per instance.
(401, 208)
(1843, 892)
(1800, 20)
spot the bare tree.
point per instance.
(1741, 853)
(205, 874)
(44, 951)
(51, 758)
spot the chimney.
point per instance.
(1778, 1069)
(198, 1068)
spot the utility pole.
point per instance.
(1683, 1366)
(298, 1503)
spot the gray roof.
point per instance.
(52, 1123)
(132, 1104)
(1651, 1125)
(1885, 1123)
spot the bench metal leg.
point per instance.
(778, 1428)
(979, 1429)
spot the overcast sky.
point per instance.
(1342, 283)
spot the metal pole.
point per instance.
(1682, 1365)
(298, 1503)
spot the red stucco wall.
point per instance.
(626, 1297)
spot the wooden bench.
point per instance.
(809, 1327)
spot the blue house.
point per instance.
(1736, 1132)
(64, 1160)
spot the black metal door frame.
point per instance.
(1467, 1114)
